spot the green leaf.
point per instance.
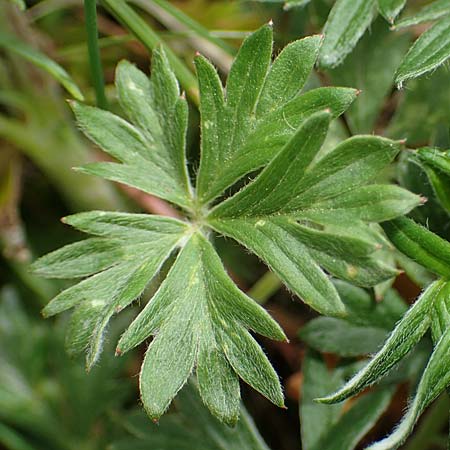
(205, 325)
(365, 272)
(238, 131)
(364, 310)
(434, 10)
(42, 61)
(288, 74)
(372, 203)
(371, 69)
(246, 79)
(274, 243)
(153, 149)
(316, 419)
(232, 122)
(244, 85)
(277, 183)
(352, 163)
(331, 335)
(121, 262)
(406, 334)
(435, 379)
(333, 427)
(79, 259)
(214, 124)
(420, 244)
(441, 315)
(390, 9)
(156, 109)
(430, 50)
(199, 320)
(347, 22)
(275, 129)
(436, 165)
(190, 426)
(435, 158)
(356, 422)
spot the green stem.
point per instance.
(264, 288)
(431, 425)
(144, 33)
(95, 63)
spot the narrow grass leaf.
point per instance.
(43, 62)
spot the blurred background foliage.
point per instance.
(46, 399)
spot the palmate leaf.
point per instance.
(198, 318)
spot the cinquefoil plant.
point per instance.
(306, 210)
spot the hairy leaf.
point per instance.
(317, 419)
(420, 244)
(406, 334)
(273, 242)
(198, 319)
(435, 379)
(130, 251)
(390, 9)
(434, 10)
(204, 326)
(430, 50)
(347, 22)
(331, 335)
(356, 422)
